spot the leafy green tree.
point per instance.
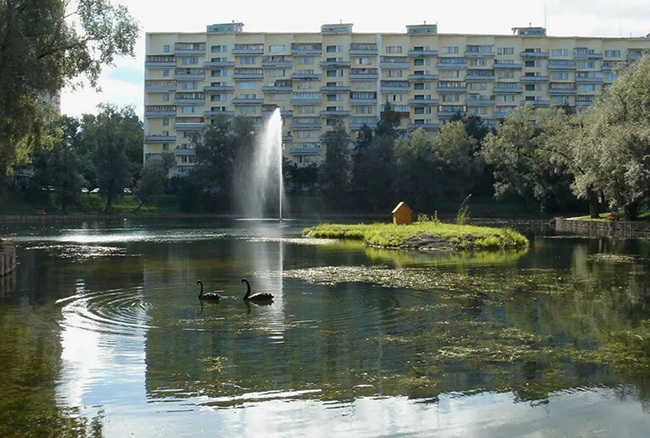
(389, 122)
(380, 168)
(109, 135)
(223, 151)
(618, 140)
(45, 45)
(155, 174)
(454, 152)
(335, 170)
(418, 175)
(359, 176)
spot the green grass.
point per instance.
(91, 203)
(642, 217)
(467, 237)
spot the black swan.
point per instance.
(260, 296)
(212, 296)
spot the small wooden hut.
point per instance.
(402, 214)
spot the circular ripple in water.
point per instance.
(121, 312)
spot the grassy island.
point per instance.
(423, 236)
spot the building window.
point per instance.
(586, 88)
(394, 73)
(450, 74)
(165, 122)
(505, 98)
(366, 109)
(450, 50)
(166, 48)
(189, 85)
(418, 62)
(218, 49)
(586, 64)
(560, 75)
(506, 51)
(393, 49)
(612, 53)
(451, 97)
(364, 61)
(166, 73)
(531, 87)
(364, 85)
(505, 75)
(333, 49)
(248, 110)
(277, 73)
(218, 73)
(478, 86)
(304, 134)
(247, 60)
(560, 100)
(247, 85)
(305, 60)
(478, 62)
(189, 110)
(334, 73)
(559, 52)
(277, 48)
(190, 60)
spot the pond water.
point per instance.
(101, 332)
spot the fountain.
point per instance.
(266, 186)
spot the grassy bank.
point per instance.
(423, 235)
(642, 217)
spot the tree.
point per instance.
(359, 176)
(389, 123)
(109, 135)
(618, 139)
(155, 174)
(335, 170)
(418, 182)
(45, 45)
(223, 151)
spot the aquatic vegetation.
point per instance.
(612, 258)
(423, 236)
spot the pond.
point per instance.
(101, 332)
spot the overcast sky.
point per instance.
(123, 84)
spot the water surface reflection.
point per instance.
(359, 341)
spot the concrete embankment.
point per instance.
(622, 229)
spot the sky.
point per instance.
(123, 83)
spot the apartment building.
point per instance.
(318, 79)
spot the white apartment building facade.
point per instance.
(319, 79)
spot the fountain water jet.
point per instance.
(266, 184)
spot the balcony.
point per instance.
(423, 53)
(479, 54)
(313, 76)
(504, 66)
(277, 89)
(306, 49)
(501, 89)
(335, 64)
(534, 55)
(219, 89)
(598, 79)
(335, 113)
(478, 78)
(452, 63)
(160, 62)
(633, 55)
(561, 91)
(277, 61)
(451, 89)
(395, 62)
(189, 74)
(250, 74)
(561, 65)
(357, 102)
(246, 101)
(424, 102)
(357, 49)
(425, 126)
(450, 114)
(159, 86)
(248, 49)
(220, 64)
(479, 102)
(501, 114)
(356, 123)
(538, 103)
(305, 150)
(395, 86)
(187, 99)
(189, 49)
(287, 139)
(180, 152)
(154, 111)
(315, 125)
(160, 139)
(189, 123)
(210, 113)
(336, 89)
(535, 79)
(306, 101)
(364, 73)
(588, 55)
(423, 77)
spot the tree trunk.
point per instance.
(594, 206)
(138, 207)
(630, 211)
(109, 204)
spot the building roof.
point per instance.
(400, 206)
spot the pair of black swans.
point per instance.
(257, 297)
